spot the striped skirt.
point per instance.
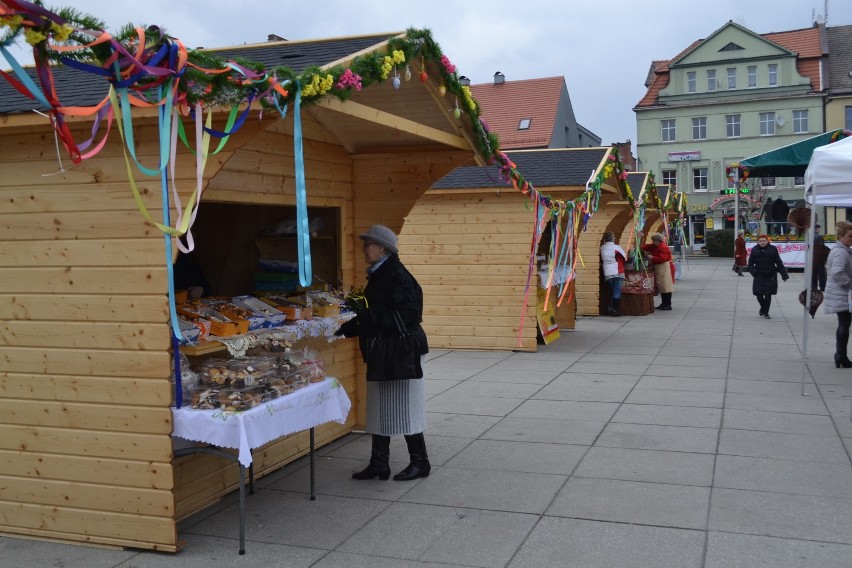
(395, 408)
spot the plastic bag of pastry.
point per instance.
(188, 378)
(312, 369)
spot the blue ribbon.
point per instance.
(303, 237)
(25, 78)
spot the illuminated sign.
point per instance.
(733, 190)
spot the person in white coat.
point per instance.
(837, 290)
(612, 261)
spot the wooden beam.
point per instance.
(383, 118)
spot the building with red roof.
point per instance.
(729, 96)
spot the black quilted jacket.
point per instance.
(391, 287)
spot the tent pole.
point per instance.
(809, 253)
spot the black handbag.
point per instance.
(394, 357)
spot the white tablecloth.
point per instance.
(301, 410)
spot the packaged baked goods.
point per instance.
(237, 373)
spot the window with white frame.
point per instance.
(800, 121)
(752, 76)
(732, 77)
(699, 179)
(669, 177)
(699, 128)
(691, 81)
(711, 79)
(732, 125)
(767, 124)
(773, 74)
(799, 181)
(847, 118)
(768, 182)
(667, 128)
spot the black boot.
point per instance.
(379, 457)
(614, 308)
(666, 301)
(419, 466)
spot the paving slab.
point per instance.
(458, 425)
(581, 432)
(16, 552)
(647, 465)
(284, 517)
(725, 550)
(565, 409)
(575, 543)
(483, 405)
(801, 517)
(509, 491)
(634, 502)
(536, 457)
(432, 533)
(781, 445)
(478, 387)
(783, 476)
(681, 383)
(339, 559)
(791, 423)
(668, 415)
(676, 398)
(655, 437)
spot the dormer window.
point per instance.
(524, 124)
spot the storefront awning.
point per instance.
(787, 161)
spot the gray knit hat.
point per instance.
(381, 235)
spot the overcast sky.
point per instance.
(603, 49)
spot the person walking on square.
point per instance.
(613, 258)
(740, 253)
(837, 290)
(396, 405)
(661, 258)
(820, 256)
(765, 265)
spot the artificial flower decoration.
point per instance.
(449, 67)
(349, 80)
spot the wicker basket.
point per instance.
(800, 217)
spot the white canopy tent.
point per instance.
(828, 182)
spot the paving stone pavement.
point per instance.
(678, 439)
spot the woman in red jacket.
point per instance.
(740, 253)
(661, 257)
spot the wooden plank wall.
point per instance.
(84, 387)
(470, 253)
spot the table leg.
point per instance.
(242, 509)
(313, 495)
(251, 478)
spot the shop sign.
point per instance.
(699, 208)
(685, 156)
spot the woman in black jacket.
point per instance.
(396, 399)
(765, 264)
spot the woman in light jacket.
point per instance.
(837, 289)
(612, 262)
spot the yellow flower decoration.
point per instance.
(34, 37)
(326, 84)
(11, 21)
(468, 98)
(387, 65)
(398, 56)
(61, 33)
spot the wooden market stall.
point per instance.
(84, 317)
(468, 241)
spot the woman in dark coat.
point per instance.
(765, 264)
(396, 405)
(740, 253)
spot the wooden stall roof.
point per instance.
(566, 167)
(416, 115)
(637, 181)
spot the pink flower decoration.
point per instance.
(623, 175)
(445, 61)
(349, 79)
